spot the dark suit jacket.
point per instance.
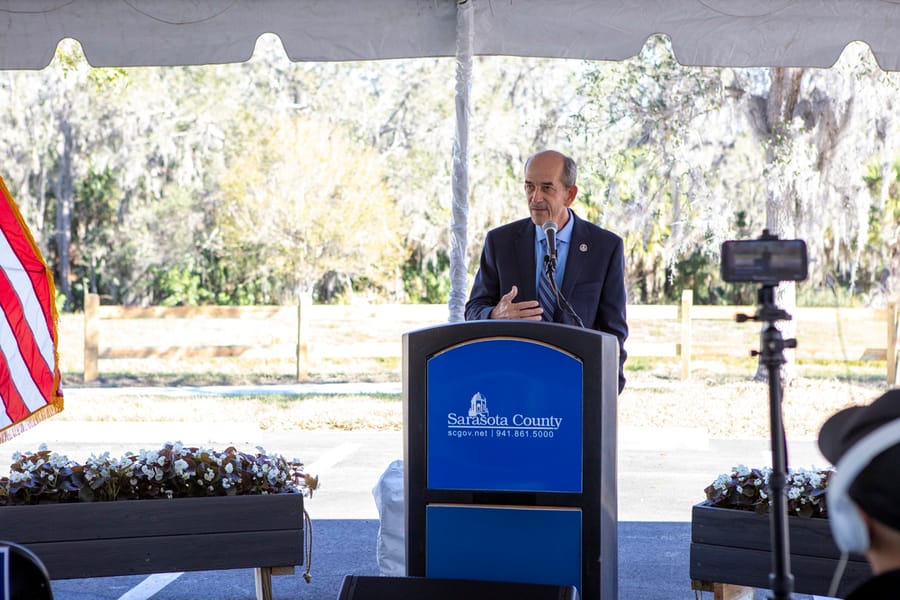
(594, 281)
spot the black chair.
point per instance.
(364, 587)
(28, 578)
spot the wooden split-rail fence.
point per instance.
(308, 333)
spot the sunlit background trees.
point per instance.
(253, 183)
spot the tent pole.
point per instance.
(460, 170)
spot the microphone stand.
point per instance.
(550, 268)
(771, 354)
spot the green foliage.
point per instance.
(178, 286)
(427, 281)
(251, 183)
(60, 301)
(290, 221)
(93, 229)
(699, 272)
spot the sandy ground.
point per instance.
(725, 406)
(736, 407)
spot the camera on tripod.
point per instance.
(767, 260)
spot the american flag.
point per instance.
(29, 366)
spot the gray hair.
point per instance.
(569, 171)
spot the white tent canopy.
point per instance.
(703, 32)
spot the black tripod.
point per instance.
(771, 355)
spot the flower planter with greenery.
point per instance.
(175, 509)
(731, 541)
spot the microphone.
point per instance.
(550, 228)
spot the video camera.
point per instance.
(767, 260)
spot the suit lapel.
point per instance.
(526, 264)
(576, 258)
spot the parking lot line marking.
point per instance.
(148, 587)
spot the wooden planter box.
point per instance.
(132, 537)
(734, 547)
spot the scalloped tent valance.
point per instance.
(703, 32)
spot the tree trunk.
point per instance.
(65, 200)
(779, 107)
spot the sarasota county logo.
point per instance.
(478, 421)
(478, 406)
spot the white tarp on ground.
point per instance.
(703, 32)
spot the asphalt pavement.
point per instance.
(661, 475)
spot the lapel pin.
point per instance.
(583, 247)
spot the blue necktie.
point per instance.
(546, 296)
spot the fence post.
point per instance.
(891, 351)
(303, 309)
(687, 300)
(91, 336)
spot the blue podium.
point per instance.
(510, 454)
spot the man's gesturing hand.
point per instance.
(529, 310)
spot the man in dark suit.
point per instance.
(590, 271)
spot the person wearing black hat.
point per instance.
(863, 494)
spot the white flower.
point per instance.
(742, 471)
(134, 470)
(721, 482)
(16, 477)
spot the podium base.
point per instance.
(361, 587)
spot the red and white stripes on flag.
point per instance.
(29, 368)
